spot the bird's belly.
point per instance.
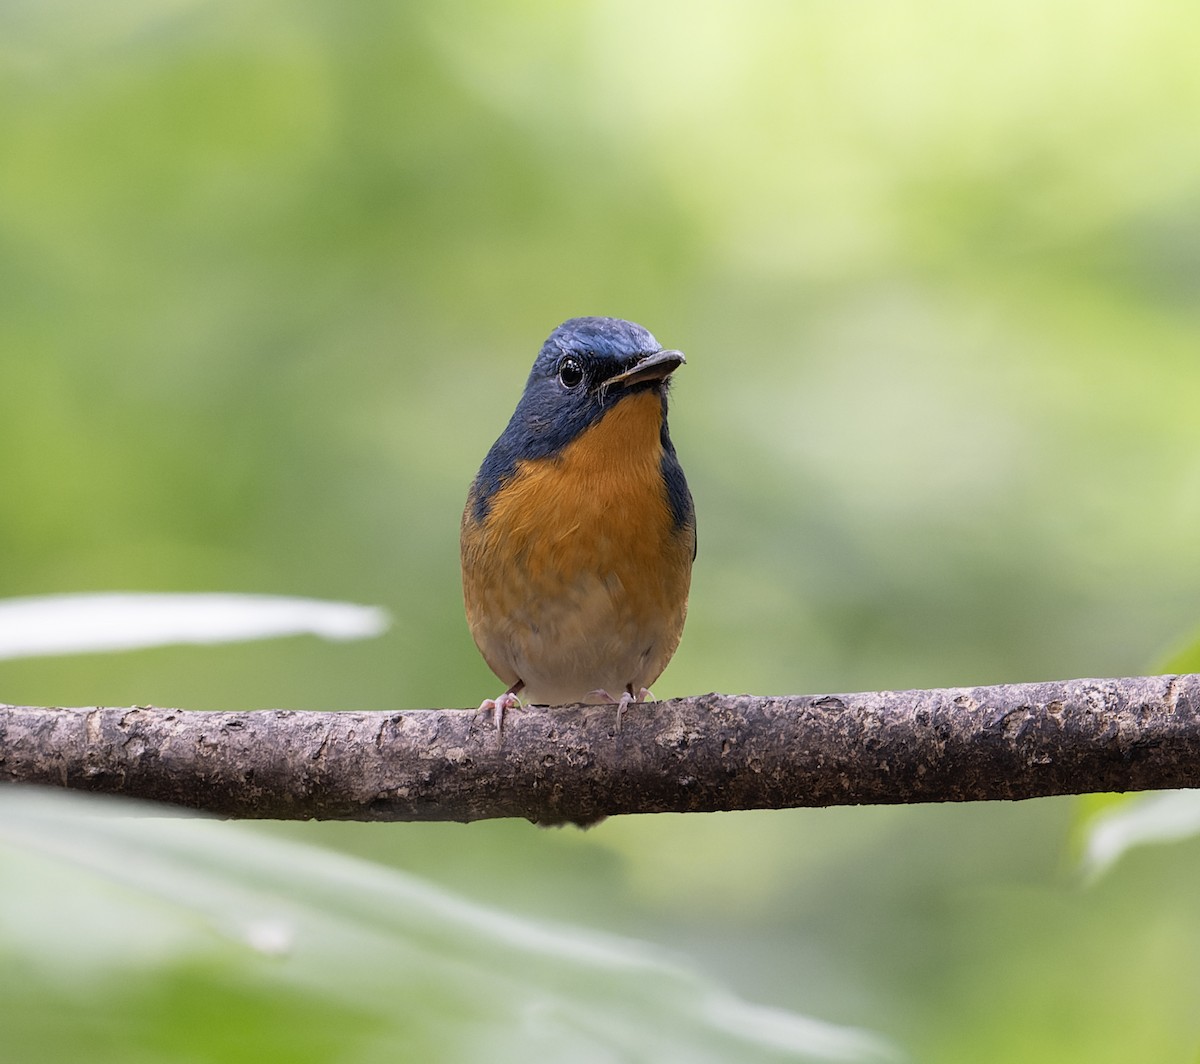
(577, 579)
(586, 636)
(571, 618)
(601, 607)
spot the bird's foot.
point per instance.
(497, 706)
(627, 699)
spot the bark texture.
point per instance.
(569, 764)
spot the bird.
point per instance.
(579, 531)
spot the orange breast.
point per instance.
(578, 579)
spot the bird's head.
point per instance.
(584, 370)
(585, 367)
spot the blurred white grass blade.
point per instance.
(1154, 818)
(77, 624)
(788, 1032)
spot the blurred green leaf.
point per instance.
(1138, 820)
(1185, 658)
(127, 936)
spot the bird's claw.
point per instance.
(627, 699)
(497, 706)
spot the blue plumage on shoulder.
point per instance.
(683, 511)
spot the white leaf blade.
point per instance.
(90, 623)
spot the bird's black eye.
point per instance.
(570, 372)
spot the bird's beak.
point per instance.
(653, 367)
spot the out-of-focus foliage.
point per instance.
(1186, 658)
(40, 625)
(271, 276)
(267, 948)
(1139, 820)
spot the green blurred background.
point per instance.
(271, 278)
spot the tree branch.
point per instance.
(568, 764)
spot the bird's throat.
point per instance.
(610, 471)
